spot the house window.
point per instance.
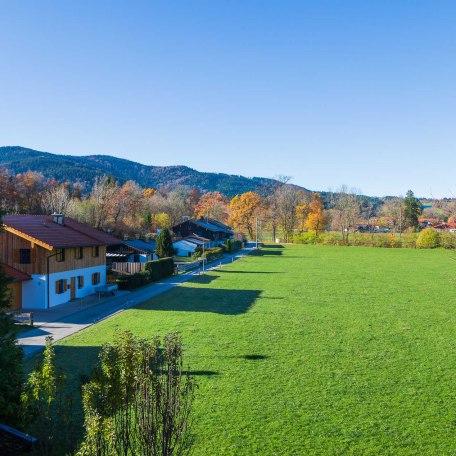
(96, 251)
(80, 281)
(95, 278)
(60, 286)
(136, 258)
(79, 253)
(60, 255)
(24, 256)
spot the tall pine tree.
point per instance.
(412, 210)
(164, 244)
(11, 356)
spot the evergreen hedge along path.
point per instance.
(310, 350)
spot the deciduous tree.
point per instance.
(243, 210)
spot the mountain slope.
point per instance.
(74, 168)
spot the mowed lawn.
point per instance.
(310, 350)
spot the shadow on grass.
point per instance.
(205, 279)
(254, 357)
(273, 246)
(187, 299)
(249, 272)
(266, 252)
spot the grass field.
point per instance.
(311, 350)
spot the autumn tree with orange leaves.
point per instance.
(243, 210)
(214, 205)
(316, 219)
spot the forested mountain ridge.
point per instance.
(85, 168)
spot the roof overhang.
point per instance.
(28, 237)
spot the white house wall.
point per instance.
(34, 292)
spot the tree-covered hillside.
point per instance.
(85, 169)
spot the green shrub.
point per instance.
(228, 245)
(305, 238)
(160, 269)
(330, 238)
(409, 240)
(213, 253)
(235, 245)
(428, 239)
(131, 282)
(448, 240)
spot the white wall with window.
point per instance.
(35, 291)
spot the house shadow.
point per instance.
(188, 299)
(266, 252)
(204, 279)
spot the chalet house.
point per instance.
(52, 259)
(216, 232)
(132, 251)
(187, 246)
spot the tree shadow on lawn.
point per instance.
(249, 272)
(187, 299)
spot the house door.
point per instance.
(73, 287)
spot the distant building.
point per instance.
(52, 259)
(216, 232)
(132, 251)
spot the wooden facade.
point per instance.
(10, 245)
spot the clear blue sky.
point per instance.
(329, 92)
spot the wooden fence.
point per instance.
(128, 268)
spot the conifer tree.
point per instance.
(412, 210)
(164, 244)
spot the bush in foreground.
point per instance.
(139, 400)
(428, 239)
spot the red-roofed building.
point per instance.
(54, 259)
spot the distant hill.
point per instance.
(84, 169)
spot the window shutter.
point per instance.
(33, 255)
(57, 287)
(82, 281)
(16, 256)
(93, 279)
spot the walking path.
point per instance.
(67, 319)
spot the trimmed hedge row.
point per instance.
(159, 269)
(232, 245)
(426, 239)
(154, 271)
(213, 254)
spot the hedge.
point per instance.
(159, 269)
(154, 271)
(233, 245)
(213, 253)
(427, 238)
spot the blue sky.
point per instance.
(361, 93)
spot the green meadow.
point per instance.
(310, 350)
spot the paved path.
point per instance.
(67, 319)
